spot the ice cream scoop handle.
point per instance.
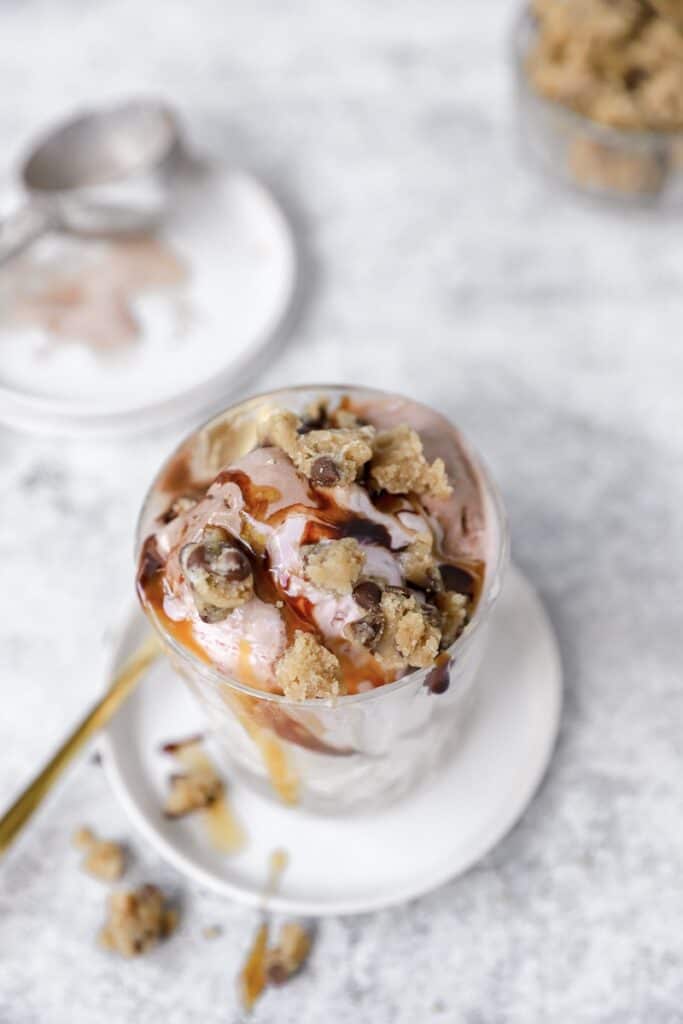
(22, 227)
(123, 684)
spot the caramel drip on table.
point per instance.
(252, 979)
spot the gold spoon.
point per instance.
(121, 687)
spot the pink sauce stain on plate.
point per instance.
(89, 300)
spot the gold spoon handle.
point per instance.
(123, 684)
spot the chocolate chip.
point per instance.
(324, 472)
(218, 574)
(633, 77)
(216, 555)
(431, 614)
(439, 679)
(316, 422)
(277, 974)
(365, 531)
(367, 594)
(368, 630)
(193, 556)
(457, 579)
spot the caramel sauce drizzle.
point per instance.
(257, 497)
(282, 775)
(150, 588)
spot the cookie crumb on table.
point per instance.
(138, 920)
(104, 859)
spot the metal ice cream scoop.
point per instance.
(103, 172)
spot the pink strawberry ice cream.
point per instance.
(344, 550)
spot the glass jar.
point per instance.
(621, 164)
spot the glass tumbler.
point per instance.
(352, 752)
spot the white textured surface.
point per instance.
(550, 329)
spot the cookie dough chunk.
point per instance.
(138, 920)
(218, 573)
(411, 636)
(192, 791)
(334, 564)
(616, 61)
(289, 955)
(103, 859)
(417, 562)
(399, 466)
(282, 430)
(661, 97)
(335, 456)
(307, 669)
(329, 456)
(453, 610)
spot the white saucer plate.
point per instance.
(353, 864)
(197, 339)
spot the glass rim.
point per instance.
(487, 598)
(524, 21)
